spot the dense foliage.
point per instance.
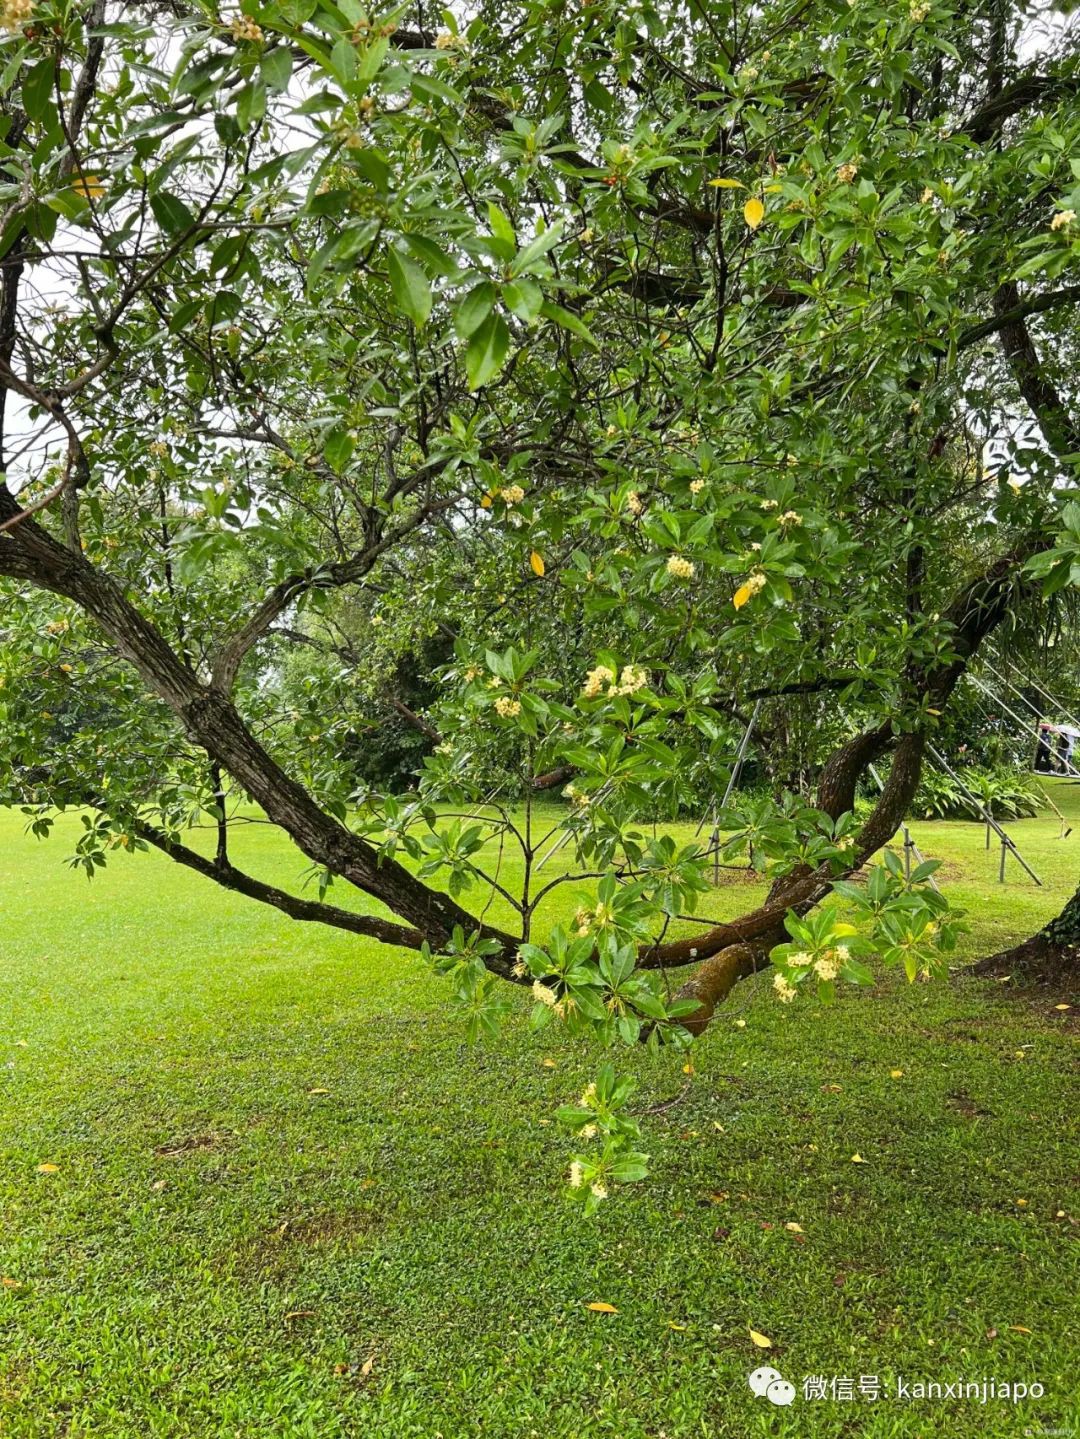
(607, 370)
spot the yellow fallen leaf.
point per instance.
(11, 1283)
(672, 1325)
(857, 1159)
(688, 1068)
(485, 503)
(896, 1074)
(1019, 1329)
(48, 1169)
(536, 563)
(727, 184)
(601, 1308)
(1020, 1054)
(761, 1340)
(753, 212)
(742, 594)
(367, 1366)
(318, 1091)
(795, 1228)
(1021, 1203)
(1056, 1006)
(718, 1126)
(740, 1024)
(550, 1064)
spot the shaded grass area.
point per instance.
(289, 1200)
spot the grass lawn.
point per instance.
(289, 1200)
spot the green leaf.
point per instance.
(412, 291)
(275, 67)
(567, 321)
(37, 88)
(171, 213)
(474, 308)
(487, 350)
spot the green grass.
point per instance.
(224, 1252)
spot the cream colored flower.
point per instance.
(826, 968)
(598, 1189)
(597, 680)
(586, 237)
(16, 13)
(785, 991)
(577, 1174)
(926, 196)
(544, 994)
(632, 679)
(800, 958)
(1062, 219)
(756, 583)
(512, 495)
(770, 504)
(919, 13)
(791, 517)
(447, 40)
(520, 969)
(680, 567)
(588, 1131)
(245, 29)
(846, 173)
(696, 486)
(633, 503)
(507, 707)
(588, 1096)
(843, 954)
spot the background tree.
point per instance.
(643, 356)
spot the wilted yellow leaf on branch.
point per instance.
(753, 212)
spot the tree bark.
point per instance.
(1052, 956)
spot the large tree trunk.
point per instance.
(1049, 957)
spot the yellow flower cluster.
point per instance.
(785, 991)
(1062, 219)
(577, 797)
(447, 40)
(15, 13)
(826, 968)
(919, 12)
(507, 707)
(696, 486)
(791, 517)
(544, 994)
(633, 503)
(601, 680)
(755, 584)
(770, 504)
(680, 567)
(512, 495)
(846, 173)
(597, 680)
(800, 959)
(246, 29)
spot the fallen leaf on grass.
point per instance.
(761, 1340)
(1056, 1006)
(896, 1074)
(857, 1159)
(550, 1064)
(794, 1228)
(11, 1283)
(1019, 1329)
(672, 1325)
(599, 1307)
(48, 1169)
(318, 1091)
(299, 1314)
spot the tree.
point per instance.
(643, 357)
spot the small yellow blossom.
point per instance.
(15, 13)
(791, 517)
(633, 503)
(770, 504)
(597, 680)
(846, 173)
(589, 1131)
(843, 954)
(919, 13)
(577, 1174)
(588, 1096)
(507, 707)
(598, 1189)
(632, 679)
(785, 991)
(696, 486)
(447, 40)
(826, 968)
(520, 969)
(245, 29)
(512, 495)
(1062, 219)
(926, 196)
(586, 237)
(544, 994)
(681, 568)
(800, 958)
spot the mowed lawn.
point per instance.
(290, 1200)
